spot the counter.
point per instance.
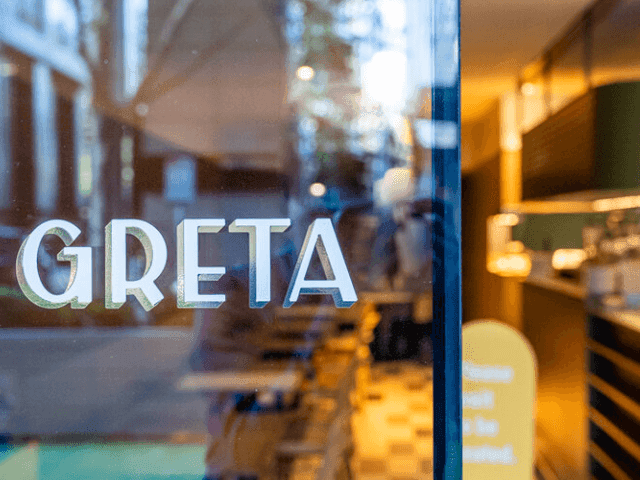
(588, 405)
(553, 320)
(542, 275)
(626, 318)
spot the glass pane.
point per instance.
(216, 225)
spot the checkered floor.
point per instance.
(394, 429)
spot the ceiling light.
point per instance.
(317, 189)
(529, 89)
(142, 109)
(305, 73)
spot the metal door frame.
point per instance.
(446, 238)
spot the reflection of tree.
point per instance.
(331, 37)
(325, 50)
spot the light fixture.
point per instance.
(317, 189)
(509, 264)
(506, 257)
(528, 89)
(305, 73)
(568, 258)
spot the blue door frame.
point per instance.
(447, 345)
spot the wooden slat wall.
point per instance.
(480, 198)
(614, 400)
(558, 155)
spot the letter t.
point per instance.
(259, 230)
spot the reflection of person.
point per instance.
(384, 259)
(400, 258)
(400, 251)
(231, 337)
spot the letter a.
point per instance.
(338, 284)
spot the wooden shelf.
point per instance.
(614, 357)
(615, 396)
(612, 467)
(614, 432)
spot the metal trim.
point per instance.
(447, 307)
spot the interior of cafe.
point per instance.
(225, 234)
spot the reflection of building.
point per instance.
(58, 155)
(43, 83)
(46, 86)
(211, 109)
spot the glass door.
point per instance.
(230, 239)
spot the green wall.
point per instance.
(550, 232)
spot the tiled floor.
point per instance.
(393, 437)
(393, 431)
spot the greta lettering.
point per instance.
(320, 236)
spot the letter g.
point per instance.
(79, 291)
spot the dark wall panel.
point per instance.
(481, 290)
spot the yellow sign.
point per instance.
(498, 401)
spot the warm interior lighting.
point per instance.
(512, 144)
(510, 140)
(620, 203)
(509, 264)
(510, 168)
(529, 89)
(505, 257)
(575, 206)
(305, 73)
(506, 219)
(317, 189)
(533, 111)
(515, 246)
(568, 258)
(548, 207)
